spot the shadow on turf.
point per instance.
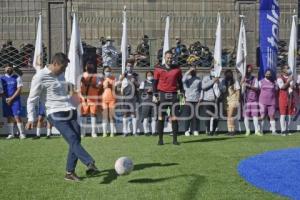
(192, 188)
(212, 139)
(111, 175)
(29, 137)
(155, 180)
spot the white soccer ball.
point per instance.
(123, 166)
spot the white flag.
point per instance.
(74, 68)
(38, 50)
(293, 47)
(241, 54)
(166, 39)
(124, 44)
(218, 49)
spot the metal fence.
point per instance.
(192, 21)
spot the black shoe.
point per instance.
(71, 177)
(160, 142)
(36, 137)
(147, 134)
(175, 143)
(48, 137)
(92, 170)
(284, 133)
(231, 133)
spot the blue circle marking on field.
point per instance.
(274, 171)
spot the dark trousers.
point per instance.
(190, 111)
(167, 100)
(66, 124)
(210, 110)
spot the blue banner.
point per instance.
(269, 36)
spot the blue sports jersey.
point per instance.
(10, 86)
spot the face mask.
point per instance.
(150, 78)
(289, 72)
(189, 76)
(129, 69)
(269, 77)
(212, 73)
(107, 74)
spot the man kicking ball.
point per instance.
(49, 84)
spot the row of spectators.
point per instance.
(106, 54)
(20, 58)
(195, 54)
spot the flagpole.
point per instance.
(218, 48)
(293, 46)
(38, 49)
(292, 55)
(74, 68)
(65, 27)
(124, 48)
(242, 49)
(166, 46)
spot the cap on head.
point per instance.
(109, 38)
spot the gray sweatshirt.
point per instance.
(192, 87)
(52, 90)
(209, 91)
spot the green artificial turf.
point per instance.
(200, 168)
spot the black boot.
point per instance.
(215, 125)
(160, 131)
(175, 131)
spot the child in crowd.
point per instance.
(148, 115)
(108, 101)
(267, 100)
